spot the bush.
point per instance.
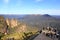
(1, 35)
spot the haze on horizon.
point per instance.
(51, 7)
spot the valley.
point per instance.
(26, 27)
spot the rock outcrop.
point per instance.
(16, 25)
(3, 25)
(12, 22)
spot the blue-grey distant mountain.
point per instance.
(37, 20)
(56, 16)
(41, 21)
(23, 16)
(46, 15)
(14, 16)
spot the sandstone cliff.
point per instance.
(3, 25)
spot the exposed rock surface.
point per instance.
(3, 25)
(12, 22)
(43, 37)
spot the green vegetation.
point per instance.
(1, 35)
(14, 35)
(32, 25)
(19, 36)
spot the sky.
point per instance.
(51, 7)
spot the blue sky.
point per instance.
(51, 7)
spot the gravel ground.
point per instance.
(43, 37)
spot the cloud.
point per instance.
(6, 1)
(49, 11)
(45, 11)
(33, 11)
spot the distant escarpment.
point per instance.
(41, 21)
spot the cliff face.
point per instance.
(3, 25)
(12, 22)
(16, 25)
